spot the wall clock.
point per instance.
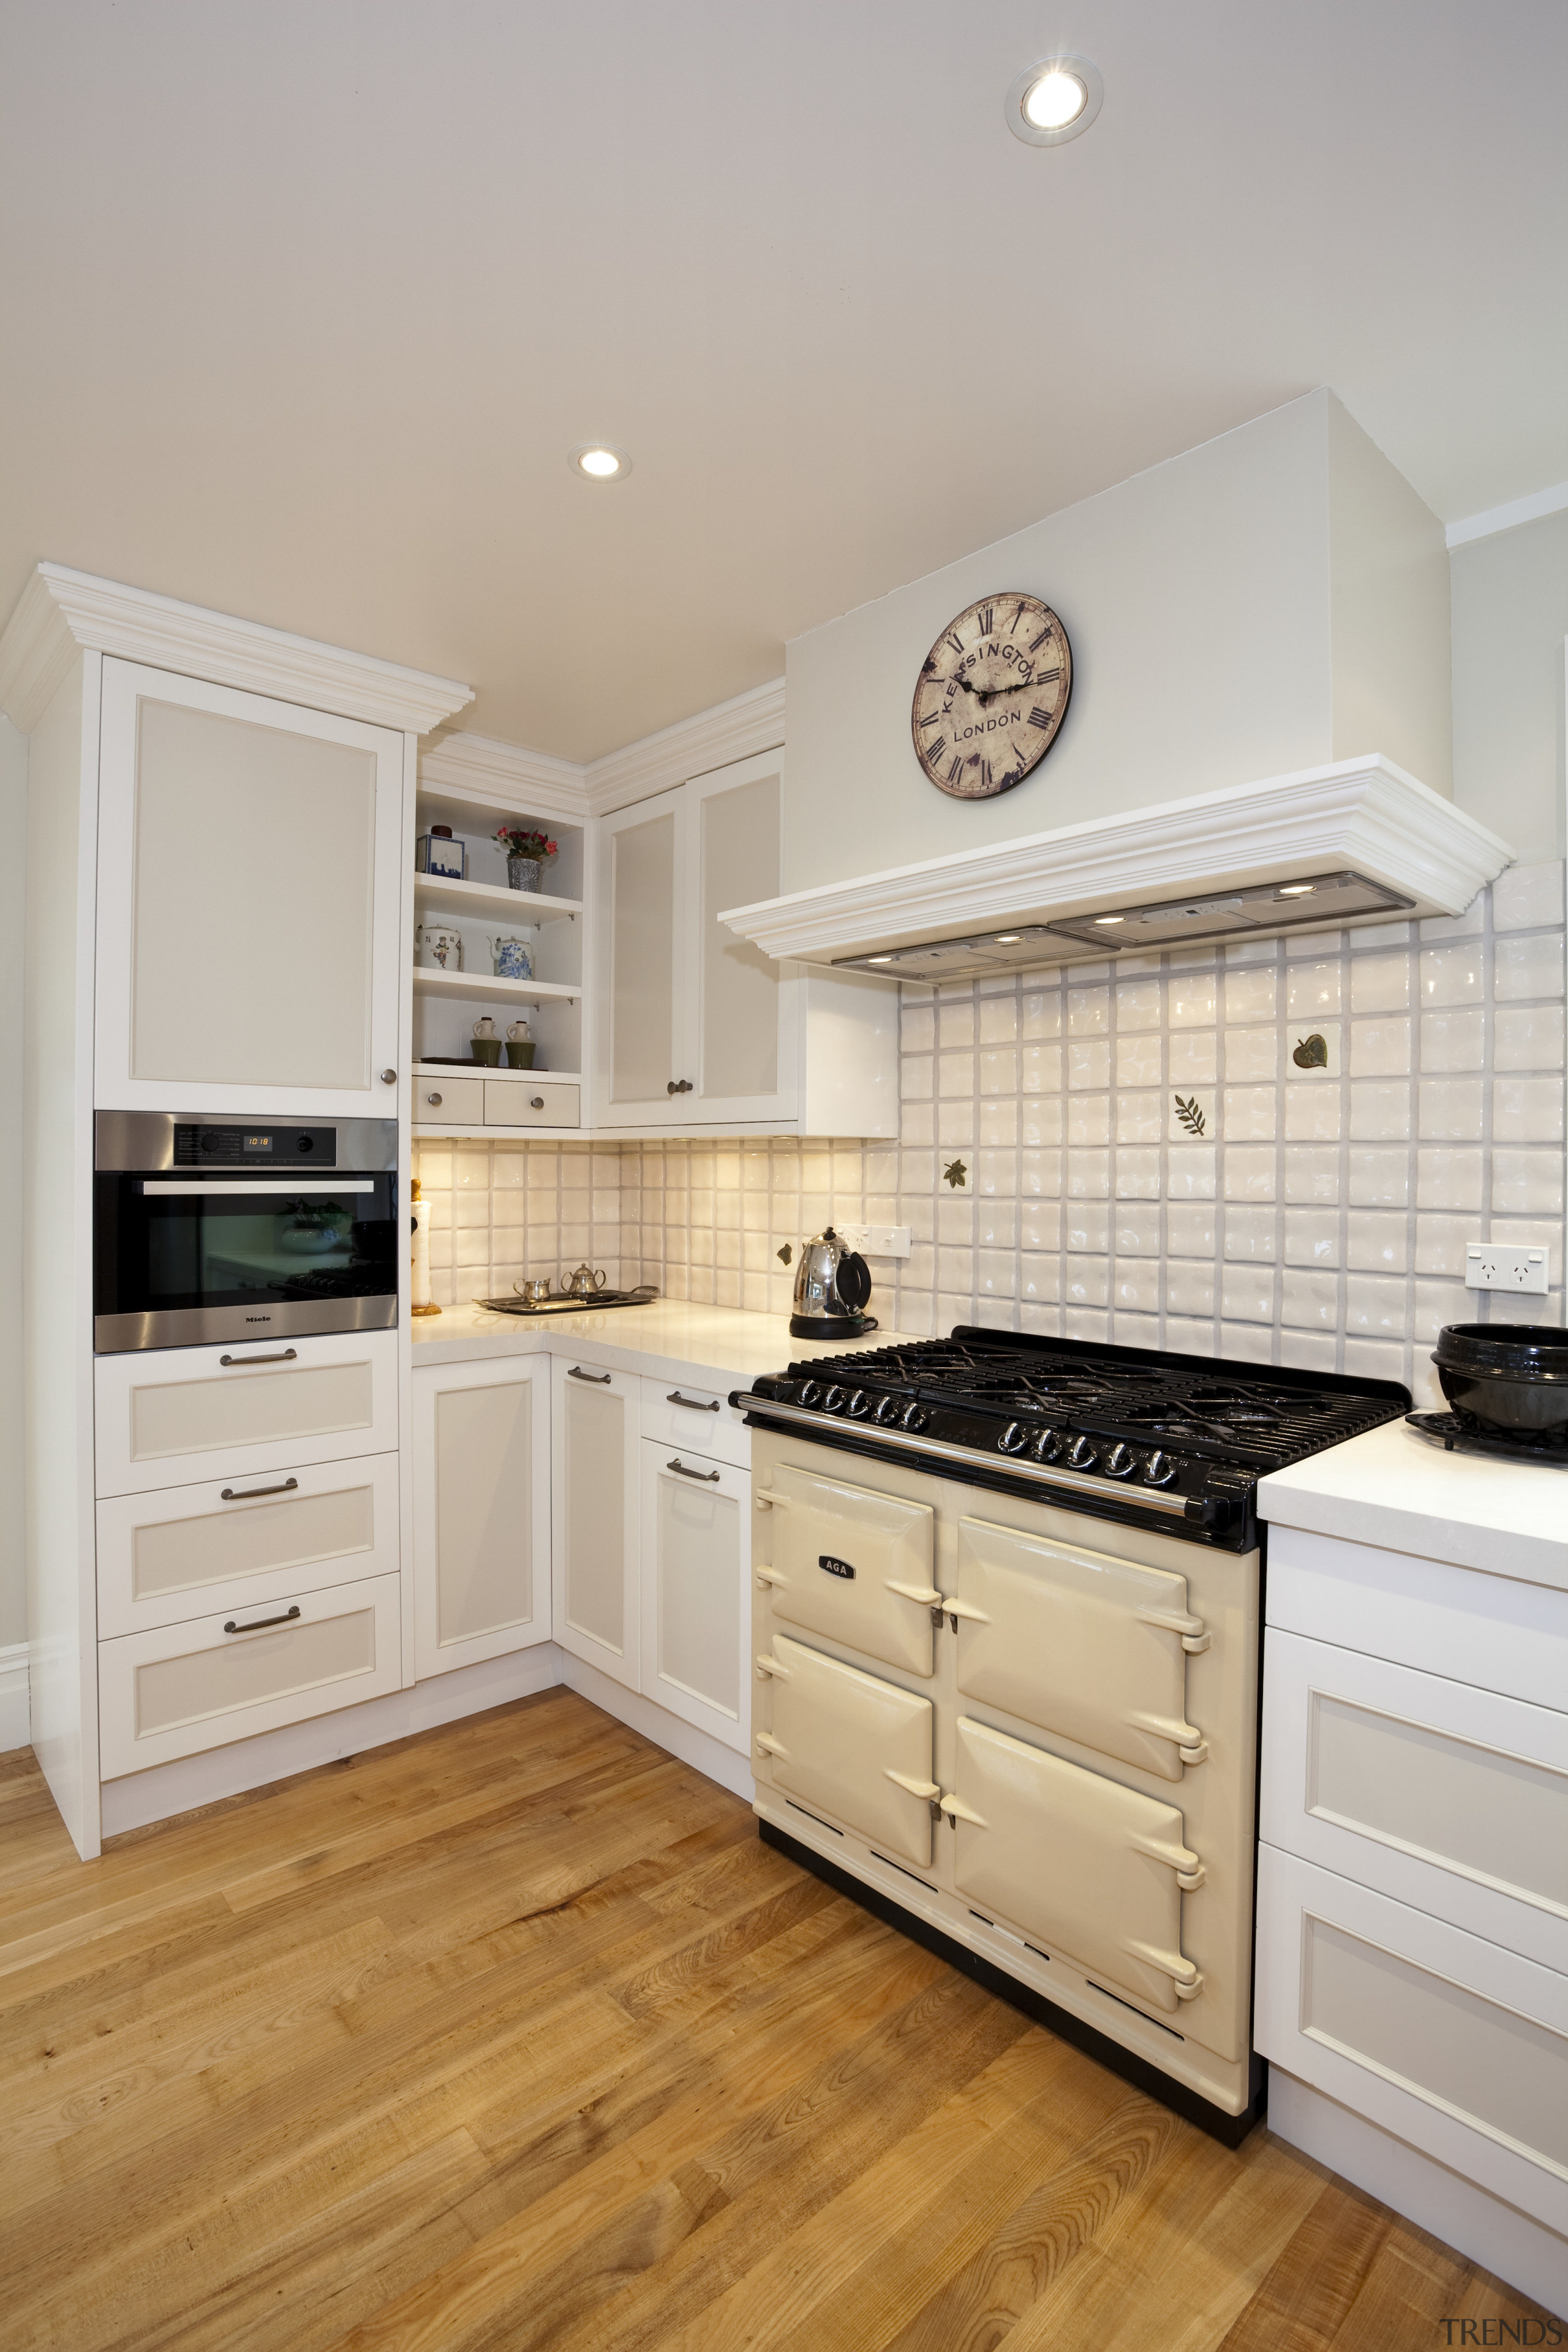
(991, 695)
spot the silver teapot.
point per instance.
(832, 1284)
(583, 1282)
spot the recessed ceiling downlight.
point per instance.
(599, 462)
(1055, 98)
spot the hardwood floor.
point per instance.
(515, 2035)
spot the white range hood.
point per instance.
(1357, 842)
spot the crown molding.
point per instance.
(747, 723)
(61, 610)
(1508, 518)
(530, 781)
(1365, 815)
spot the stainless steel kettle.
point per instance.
(832, 1284)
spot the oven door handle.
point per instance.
(1214, 1513)
(285, 1187)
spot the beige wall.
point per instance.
(1511, 618)
(12, 892)
(1389, 612)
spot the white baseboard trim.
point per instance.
(194, 1781)
(699, 1748)
(16, 1717)
(1521, 2251)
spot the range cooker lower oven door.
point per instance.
(1094, 1870)
(852, 1746)
(1086, 1645)
(853, 1565)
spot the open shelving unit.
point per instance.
(447, 1003)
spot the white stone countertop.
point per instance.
(711, 1347)
(1402, 1492)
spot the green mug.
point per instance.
(485, 1050)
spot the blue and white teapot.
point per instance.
(510, 956)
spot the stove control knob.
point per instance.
(811, 1393)
(1012, 1438)
(1159, 1470)
(1081, 1455)
(859, 1404)
(885, 1410)
(1046, 1446)
(834, 1400)
(1119, 1461)
(913, 1416)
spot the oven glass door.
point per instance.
(185, 1258)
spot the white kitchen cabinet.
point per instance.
(702, 1029)
(696, 1612)
(596, 1518)
(481, 1511)
(177, 1690)
(250, 902)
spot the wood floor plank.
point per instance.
(513, 2035)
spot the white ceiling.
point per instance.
(304, 303)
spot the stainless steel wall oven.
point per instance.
(228, 1229)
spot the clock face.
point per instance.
(991, 695)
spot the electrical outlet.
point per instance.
(1499, 1266)
(876, 1241)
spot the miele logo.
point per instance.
(835, 1567)
(258, 1318)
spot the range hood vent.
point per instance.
(1359, 842)
(1257, 913)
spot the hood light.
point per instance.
(1297, 889)
(1102, 922)
(887, 958)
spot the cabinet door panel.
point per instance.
(481, 1470)
(746, 1005)
(644, 849)
(249, 900)
(696, 1605)
(597, 1543)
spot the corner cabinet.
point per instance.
(701, 1029)
(481, 1511)
(250, 902)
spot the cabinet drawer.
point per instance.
(182, 1551)
(677, 1412)
(1450, 1798)
(1450, 2043)
(176, 1690)
(529, 1104)
(444, 1101)
(172, 1415)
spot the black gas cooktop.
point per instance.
(1178, 1441)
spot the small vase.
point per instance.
(524, 873)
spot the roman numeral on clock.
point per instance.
(1035, 643)
(986, 612)
(1048, 676)
(1044, 720)
(985, 775)
(954, 641)
(956, 769)
(930, 718)
(934, 750)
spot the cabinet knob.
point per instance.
(433, 1099)
(389, 1077)
(678, 1086)
(536, 1102)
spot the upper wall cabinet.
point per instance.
(249, 901)
(702, 1029)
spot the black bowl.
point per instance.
(1506, 1375)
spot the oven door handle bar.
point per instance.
(1215, 1514)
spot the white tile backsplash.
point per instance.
(1322, 1222)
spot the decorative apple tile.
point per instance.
(1313, 1049)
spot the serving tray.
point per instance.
(642, 1297)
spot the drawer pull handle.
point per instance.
(708, 1477)
(287, 1618)
(286, 1356)
(254, 1493)
(692, 1405)
(603, 1379)
(435, 1099)
(536, 1102)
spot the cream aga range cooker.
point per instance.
(1007, 1630)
